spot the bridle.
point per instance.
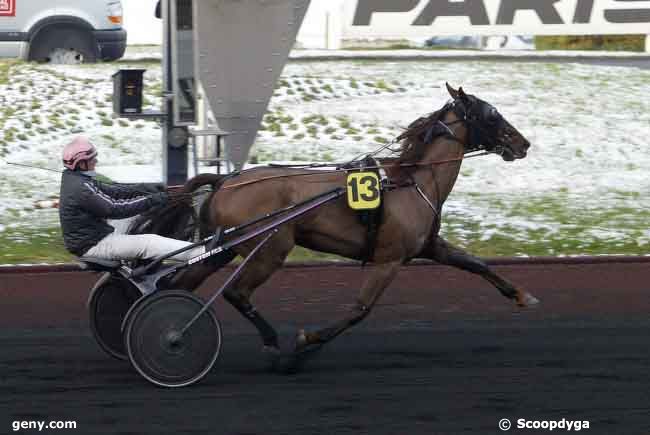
(479, 138)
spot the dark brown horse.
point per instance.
(432, 150)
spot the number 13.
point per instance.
(363, 191)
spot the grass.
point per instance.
(26, 246)
(544, 244)
(380, 139)
(344, 121)
(615, 225)
(597, 42)
(301, 254)
(5, 66)
(315, 89)
(561, 226)
(386, 45)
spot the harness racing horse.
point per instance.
(424, 173)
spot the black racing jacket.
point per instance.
(85, 204)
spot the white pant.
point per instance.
(141, 246)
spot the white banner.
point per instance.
(390, 19)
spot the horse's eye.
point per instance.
(492, 115)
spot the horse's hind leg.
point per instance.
(370, 293)
(257, 271)
(445, 253)
(238, 294)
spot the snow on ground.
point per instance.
(589, 127)
(42, 107)
(583, 188)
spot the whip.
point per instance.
(181, 196)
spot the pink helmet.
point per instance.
(77, 151)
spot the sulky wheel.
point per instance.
(157, 347)
(108, 304)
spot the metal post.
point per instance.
(174, 139)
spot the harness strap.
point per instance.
(371, 219)
(419, 190)
(335, 171)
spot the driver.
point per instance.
(86, 203)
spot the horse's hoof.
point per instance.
(303, 349)
(301, 338)
(525, 299)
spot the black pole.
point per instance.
(175, 139)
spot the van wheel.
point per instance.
(63, 46)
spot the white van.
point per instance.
(62, 31)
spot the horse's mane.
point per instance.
(418, 134)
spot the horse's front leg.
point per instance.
(371, 291)
(242, 304)
(443, 252)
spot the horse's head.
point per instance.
(487, 129)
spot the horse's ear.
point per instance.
(452, 91)
(462, 94)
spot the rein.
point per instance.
(334, 171)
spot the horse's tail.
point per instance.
(178, 218)
(215, 181)
(201, 180)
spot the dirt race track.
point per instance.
(441, 361)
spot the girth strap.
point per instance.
(371, 219)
